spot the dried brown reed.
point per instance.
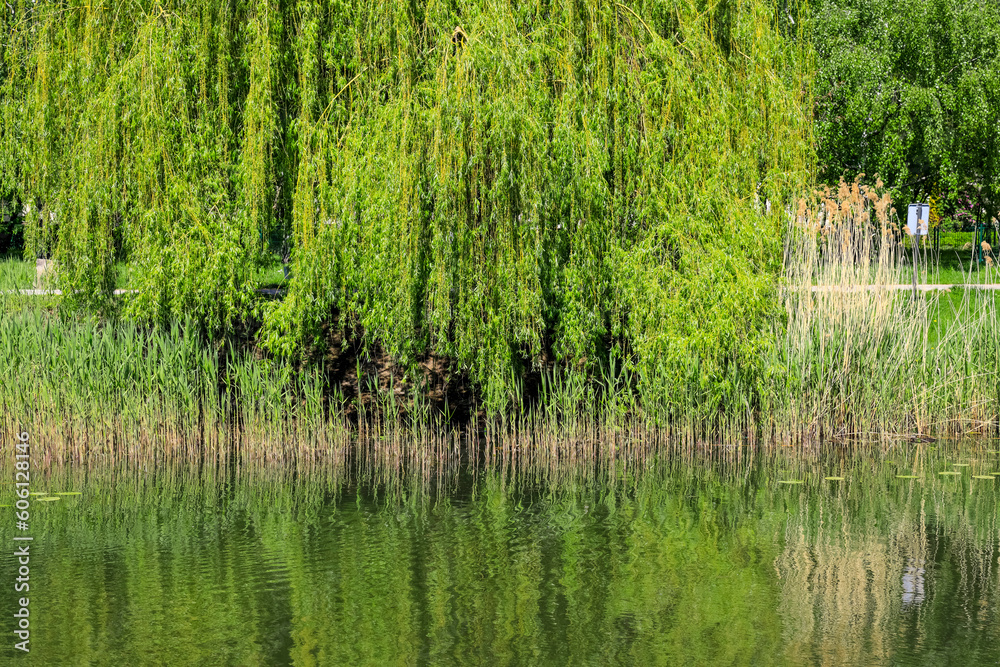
(865, 359)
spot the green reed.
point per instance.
(109, 389)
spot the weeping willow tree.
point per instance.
(509, 185)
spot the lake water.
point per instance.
(692, 558)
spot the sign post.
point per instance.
(917, 225)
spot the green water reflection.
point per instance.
(698, 559)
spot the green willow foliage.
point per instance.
(504, 184)
(511, 183)
(910, 89)
(145, 132)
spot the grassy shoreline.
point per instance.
(844, 364)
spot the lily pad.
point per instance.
(949, 472)
(834, 479)
(790, 481)
(907, 476)
(49, 499)
(983, 477)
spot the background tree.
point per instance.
(910, 89)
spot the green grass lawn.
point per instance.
(957, 308)
(955, 267)
(272, 275)
(956, 240)
(952, 262)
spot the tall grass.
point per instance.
(864, 359)
(112, 389)
(90, 390)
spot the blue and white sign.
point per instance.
(918, 217)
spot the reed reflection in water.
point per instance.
(682, 557)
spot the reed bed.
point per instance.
(101, 391)
(863, 360)
(93, 390)
(852, 361)
(110, 389)
(114, 390)
(110, 392)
